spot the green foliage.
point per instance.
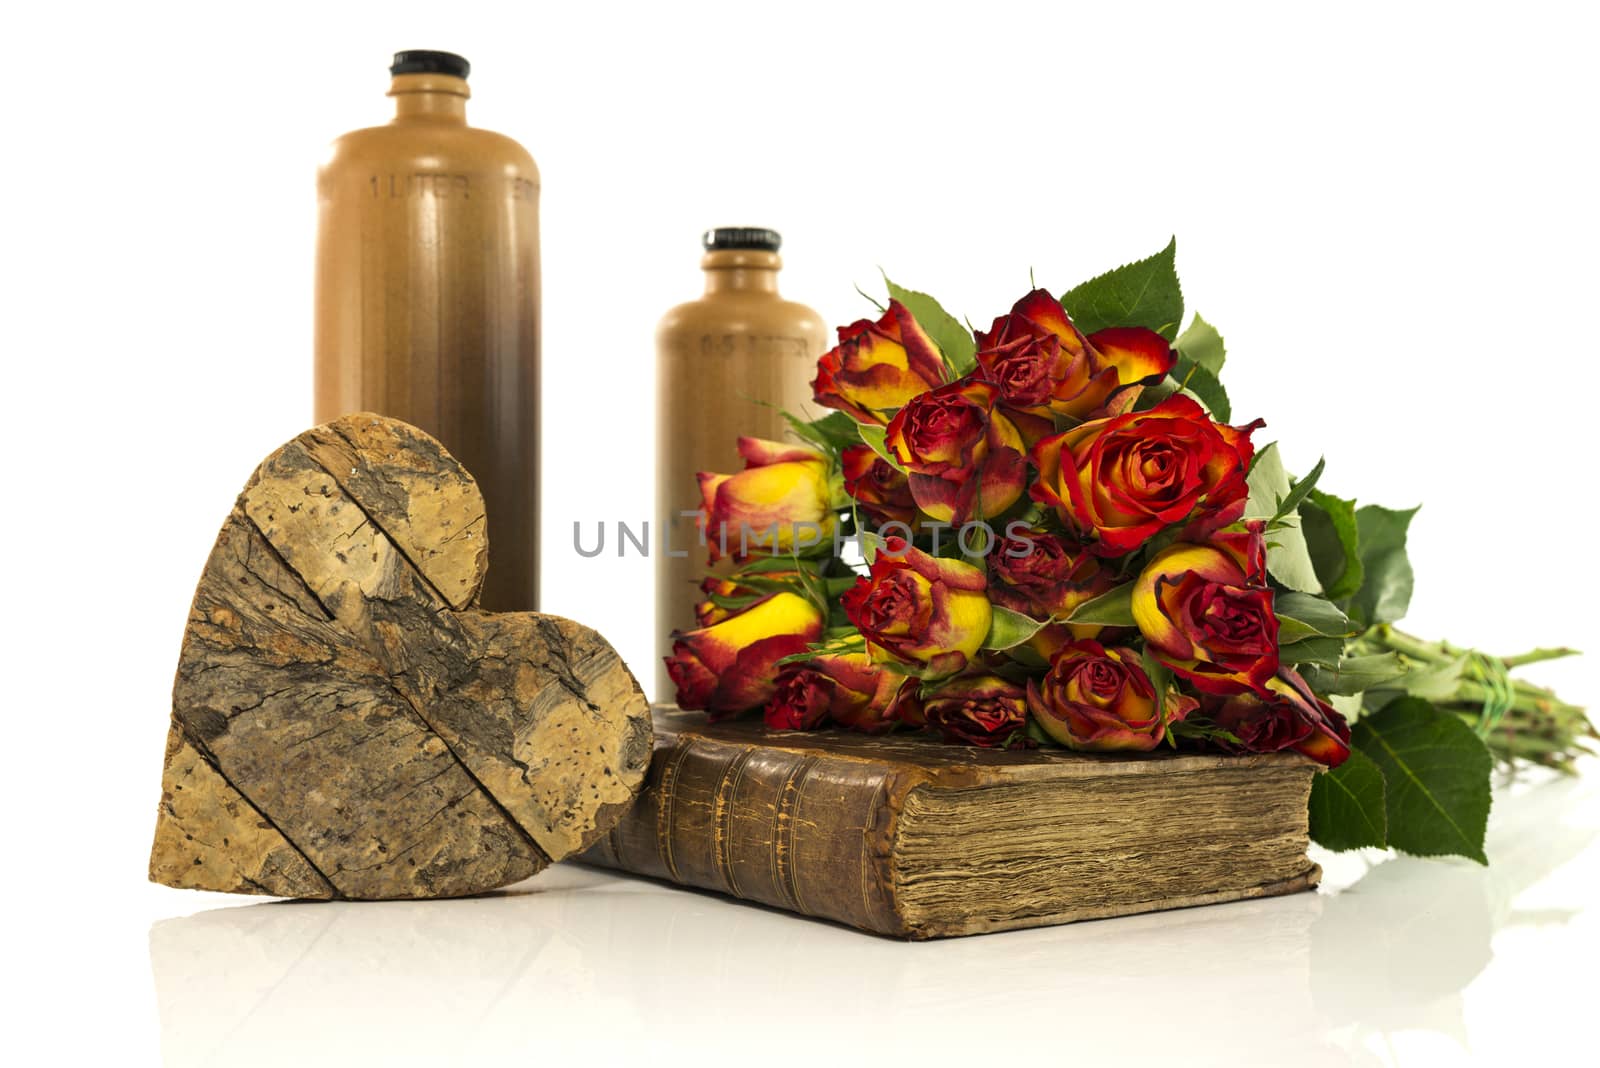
(873, 437)
(1008, 628)
(1200, 344)
(1316, 649)
(1329, 525)
(834, 432)
(1356, 674)
(954, 340)
(1114, 608)
(1145, 294)
(1436, 776)
(1288, 558)
(1298, 492)
(1385, 591)
(1204, 386)
(1149, 397)
(1160, 677)
(1301, 615)
(1348, 809)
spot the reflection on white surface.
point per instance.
(1371, 970)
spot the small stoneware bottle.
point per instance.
(725, 364)
(427, 298)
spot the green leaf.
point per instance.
(833, 432)
(873, 437)
(1145, 293)
(1028, 659)
(1299, 491)
(1288, 558)
(1355, 674)
(1201, 344)
(1114, 608)
(1160, 677)
(1347, 806)
(1205, 387)
(1008, 628)
(763, 566)
(1300, 615)
(1149, 397)
(1329, 525)
(1313, 650)
(1385, 592)
(953, 339)
(1436, 776)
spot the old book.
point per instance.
(912, 838)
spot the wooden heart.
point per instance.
(346, 724)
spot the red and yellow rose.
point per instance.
(965, 460)
(1119, 481)
(1205, 612)
(1287, 716)
(1043, 365)
(844, 688)
(878, 366)
(919, 610)
(1100, 699)
(783, 499)
(980, 710)
(881, 491)
(729, 595)
(732, 666)
(1044, 575)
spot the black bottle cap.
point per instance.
(424, 62)
(741, 237)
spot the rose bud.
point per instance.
(881, 491)
(728, 596)
(982, 710)
(1042, 364)
(733, 665)
(1199, 611)
(1121, 480)
(1290, 716)
(920, 610)
(1042, 575)
(782, 500)
(877, 367)
(800, 700)
(965, 458)
(846, 688)
(1100, 700)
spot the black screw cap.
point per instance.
(423, 62)
(752, 237)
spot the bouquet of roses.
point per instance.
(1053, 533)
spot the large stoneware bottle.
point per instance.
(427, 298)
(724, 364)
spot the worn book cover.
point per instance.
(916, 839)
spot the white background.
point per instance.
(1387, 209)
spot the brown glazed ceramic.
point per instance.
(427, 297)
(718, 359)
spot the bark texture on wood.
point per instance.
(345, 724)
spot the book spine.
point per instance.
(803, 831)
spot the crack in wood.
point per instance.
(336, 696)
